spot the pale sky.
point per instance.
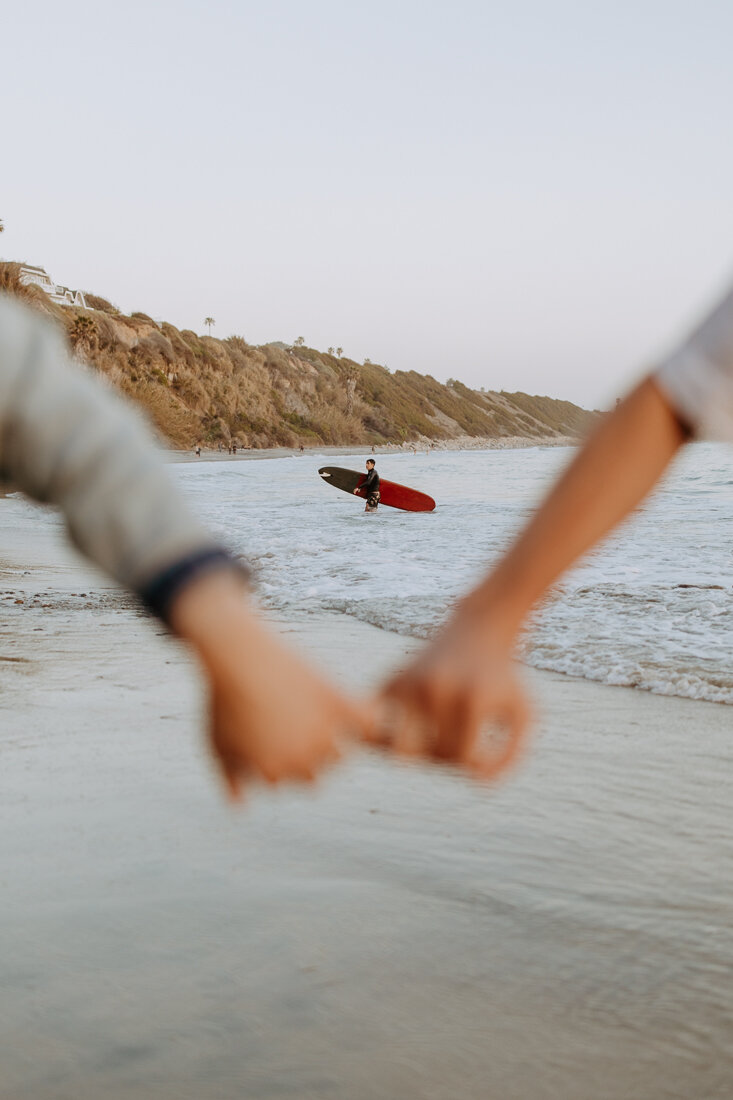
(526, 196)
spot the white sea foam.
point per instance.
(651, 609)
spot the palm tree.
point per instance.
(339, 352)
(350, 385)
(298, 342)
(330, 351)
(209, 321)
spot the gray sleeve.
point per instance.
(697, 378)
(65, 438)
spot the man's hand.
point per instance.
(272, 718)
(456, 688)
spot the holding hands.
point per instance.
(273, 719)
(438, 708)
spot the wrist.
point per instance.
(495, 611)
(161, 592)
(211, 613)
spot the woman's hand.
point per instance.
(272, 717)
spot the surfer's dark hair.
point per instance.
(372, 461)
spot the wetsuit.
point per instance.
(370, 489)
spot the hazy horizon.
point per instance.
(525, 198)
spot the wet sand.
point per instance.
(396, 934)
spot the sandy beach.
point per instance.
(396, 933)
(460, 443)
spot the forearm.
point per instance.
(608, 478)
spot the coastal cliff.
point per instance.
(202, 389)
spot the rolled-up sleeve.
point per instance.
(697, 378)
(66, 439)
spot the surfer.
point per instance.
(65, 439)
(466, 677)
(370, 487)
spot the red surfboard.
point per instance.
(390, 493)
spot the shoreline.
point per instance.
(460, 443)
(36, 562)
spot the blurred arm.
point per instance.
(66, 439)
(691, 392)
(608, 478)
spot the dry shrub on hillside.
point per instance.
(83, 334)
(10, 283)
(33, 295)
(334, 426)
(179, 345)
(194, 344)
(559, 416)
(118, 378)
(172, 420)
(239, 354)
(215, 354)
(191, 389)
(237, 343)
(94, 301)
(156, 344)
(104, 334)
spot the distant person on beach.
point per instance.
(466, 678)
(66, 440)
(370, 487)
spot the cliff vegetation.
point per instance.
(199, 389)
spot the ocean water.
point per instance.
(652, 608)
